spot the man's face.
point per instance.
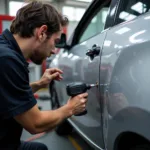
(45, 48)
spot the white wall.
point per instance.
(3, 7)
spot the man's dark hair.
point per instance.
(34, 15)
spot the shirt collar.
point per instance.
(9, 37)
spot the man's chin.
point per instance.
(37, 62)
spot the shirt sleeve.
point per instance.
(16, 94)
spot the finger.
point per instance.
(83, 109)
(56, 70)
(83, 100)
(59, 78)
(84, 95)
(54, 75)
(53, 70)
(84, 106)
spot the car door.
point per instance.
(125, 78)
(78, 65)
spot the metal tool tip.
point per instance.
(94, 85)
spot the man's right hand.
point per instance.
(77, 104)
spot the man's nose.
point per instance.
(53, 51)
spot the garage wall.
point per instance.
(3, 7)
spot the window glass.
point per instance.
(16, 5)
(130, 9)
(96, 25)
(73, 14)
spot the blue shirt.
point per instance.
(16, 94)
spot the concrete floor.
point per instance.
(52, 140)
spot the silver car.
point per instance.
(111, 47)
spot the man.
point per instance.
(33, 34)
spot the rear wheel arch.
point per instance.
(128, 122)
(129, 140)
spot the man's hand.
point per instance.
(49, 75)
(77, 104)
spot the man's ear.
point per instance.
(42, 33)
(42, 37)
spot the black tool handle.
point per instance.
(76, 88)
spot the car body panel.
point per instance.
(79, 67)
(125, 79)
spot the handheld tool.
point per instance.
(77, 88)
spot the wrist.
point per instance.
(68, 111)
(38, 84)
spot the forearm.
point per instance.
(35, 86)
(48, 120)
(36, 121)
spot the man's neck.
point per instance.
(25, 44)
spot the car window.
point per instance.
(96, 25)
(130, 9)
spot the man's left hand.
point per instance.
(49, 75)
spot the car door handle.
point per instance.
(94, 51)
